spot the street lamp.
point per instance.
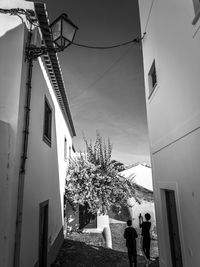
(62, 31)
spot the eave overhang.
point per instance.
(53, 67)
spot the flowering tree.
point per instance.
(93, 180)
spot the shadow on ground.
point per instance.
(119, 243)
(79, 254)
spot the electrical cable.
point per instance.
(104, 73)
(150, 10)
(135, 40)
(29, 16)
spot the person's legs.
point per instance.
(130, 257)
(148, 248)
(135, 259)
(144, 246)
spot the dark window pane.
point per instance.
(47, 122)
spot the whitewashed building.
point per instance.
(141, 174)
(171, 71)
(36, 131)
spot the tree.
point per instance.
(92, 179)
(100, 153)
(119, 166)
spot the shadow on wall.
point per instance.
(120, 214)
(71, 217)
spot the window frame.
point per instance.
(47, 133)
(151, 76)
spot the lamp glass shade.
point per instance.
(56, 30)
(68, 31)
(63, 31)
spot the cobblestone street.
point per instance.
(88, 250)
(79, 254)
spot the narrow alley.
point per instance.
(85, 254)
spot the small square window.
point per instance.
(152, 78)
(65, 148)
(47, 122)
(196, 4)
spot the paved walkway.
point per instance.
(79, 254)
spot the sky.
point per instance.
(105, 88)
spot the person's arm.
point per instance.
(125, 233)
(140, 220)
(136, 235)
(150, 230)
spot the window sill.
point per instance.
(47, 140)
(196, 18)
(152, 91)
(152, 95)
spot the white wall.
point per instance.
(174, 117)
(181, 174)
(4, 186)
(8, 22)
(11, 77)
(45, 167)
(45, 171)
(170, 42)
(144, 207)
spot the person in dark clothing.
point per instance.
(145, 234)
(130, 235)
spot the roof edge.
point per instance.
(53, 67)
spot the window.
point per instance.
(196, 4)
(65, 148)
(47, 122)
(70, 152)
(152, 78)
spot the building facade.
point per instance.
(171, 72)
(36, 131)
(141, 174)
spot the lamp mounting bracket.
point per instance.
(33, 52)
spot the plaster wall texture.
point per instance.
(4, 185)
(144, 207)
(141, 175)
(174, 118)
(102, 222)
(62, 132)
(9, 22)
(171, 43)
(46, 168)
(11, 94)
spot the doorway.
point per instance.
(174, 238)
(43, 233)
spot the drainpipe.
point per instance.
(23, 158)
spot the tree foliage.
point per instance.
(100, 153)
(119, 166)
(92, 179)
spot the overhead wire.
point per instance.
(104, 73)
(135, 40)
(147, 22)
(32, 21)
(29, 16)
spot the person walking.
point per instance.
(146, 239)
(130, 235)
